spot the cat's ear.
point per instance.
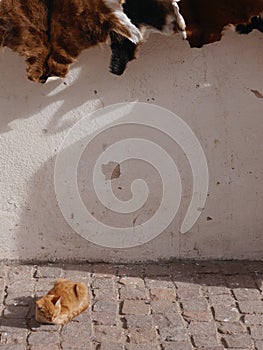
(39, 306)
(56, 300)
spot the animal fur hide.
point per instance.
(51, 34)
(205, 22)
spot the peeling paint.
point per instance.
(111, 170)
(257, 93)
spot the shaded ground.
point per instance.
(179, 306)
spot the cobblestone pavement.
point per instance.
(178, 306)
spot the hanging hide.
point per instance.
(52, 34)
(205, 22)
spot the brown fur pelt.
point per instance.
(24, 29)
(51, 34)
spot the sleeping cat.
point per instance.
(63, 302)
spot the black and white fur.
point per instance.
(256, 22)
(149, 15)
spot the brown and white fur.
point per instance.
(149, 15)
(52, 34)
(205, 22)
(63, 302)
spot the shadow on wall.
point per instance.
(88, 77)
(49, 111)
(42, 232)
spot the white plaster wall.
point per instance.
(210, 88)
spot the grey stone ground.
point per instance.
(179, 306)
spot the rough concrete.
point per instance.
(179, 306)
(216, 90)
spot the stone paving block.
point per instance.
(2, 270)
(197, 309)
(243, 294)
(26, 285)
(137, 321)
(45, 347)
(253, 320)
(259, 281)
(19, 298)
(105, 306)
(144, 346)
(204, 333)
(253, 307)
(231, 327)
(177, 346)
(164, 307)
(43, 339)
(217, 290)
(14, 322)
(2, 287)
(36, 326)
(11, 335)
(104, 318)
(174, 334)
(164, 282)
(188, 290)
(104, 288)
(13, 347)
(103, 283)
(141, 335)
(220, 347)
(19, 272)
(226, 313)
(225, 299)
(111, 346)
(78, 273)
(256, 332)
(259, 345)
(163, 294)
(240, 341)
(15, 312)
(50, 271)
(171, 320)
(76, 334)
(135, 307)
(78, 345)
(43, 285)
(108, 334)
(132, 288)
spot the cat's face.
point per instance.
(48, 308)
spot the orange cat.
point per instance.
(63, 302)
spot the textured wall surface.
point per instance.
(216, 90)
